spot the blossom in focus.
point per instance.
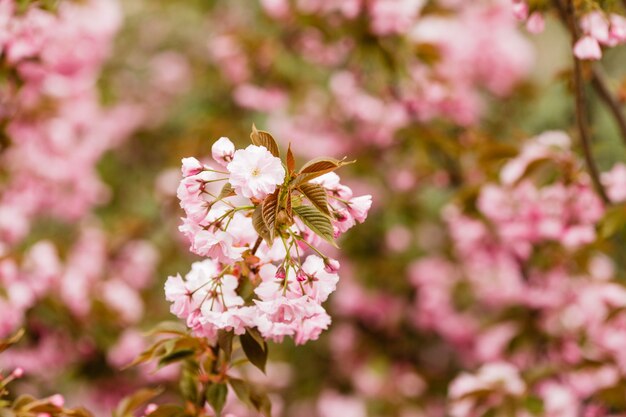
(255, 172)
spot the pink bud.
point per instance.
(222, 151)
(535, 23)
(57, 400)
(520, 10)
(191, 166)
(17, 373)
(331, 265)
(281, 273)
(341, 217)
(301, 275)
(150, 408)
(587, 48)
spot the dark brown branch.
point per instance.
(567, 13)
(599, 84)
(256, 245)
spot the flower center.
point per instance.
(256, 172)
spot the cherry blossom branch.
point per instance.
(598, 82)
(568, 15)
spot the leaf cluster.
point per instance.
(298, 197)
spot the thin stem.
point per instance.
(568, 15)
(256, 245)
(217, 171)
(301, 239)
(598, 82)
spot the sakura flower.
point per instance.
(615, 183)
(300, 317)
(222, 151)
(359, 206)
(535, 23)
(587, 48)
(255, 172)
(319, 284)
(191, 166)
(218, 245)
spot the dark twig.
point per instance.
(256, 245)
(568, 15)
(599, 84)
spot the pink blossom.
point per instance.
(359, 206)
(255, 172)
(394, 16)
(535, 23)
(596, 26)
(615, 183)
(176, 292)
(587, 48)
(191, 166)
(223, 151)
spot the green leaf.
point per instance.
(320, 166)
(227, 191)
(261, 138)
(253, 398)
(317, 195)
(78, 412)
(225, 342)
(255, 352)
(252, 331)
(534, 405)
(317, 222)
(216, 396)
(168, 327)
(168, 410)
(242, 390)
(129, 404)
(188, 384)
(613, 221)
(10, 341)
(260, 226)
(262, 403)
(44, 408)
(22, 401)
(270, 211)
(175, 356)
(157, 349)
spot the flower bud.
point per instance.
(301, 275)
(17, 373)
(57, 400)
(281, 273)
(191, 166)
(150, 408)
(222, 151)
(331, 265)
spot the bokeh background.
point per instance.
(432, 98)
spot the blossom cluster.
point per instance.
(446, 79)
(54, 128)
(56, 259)
(598, 29)
(513, 259)
(246, 214)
